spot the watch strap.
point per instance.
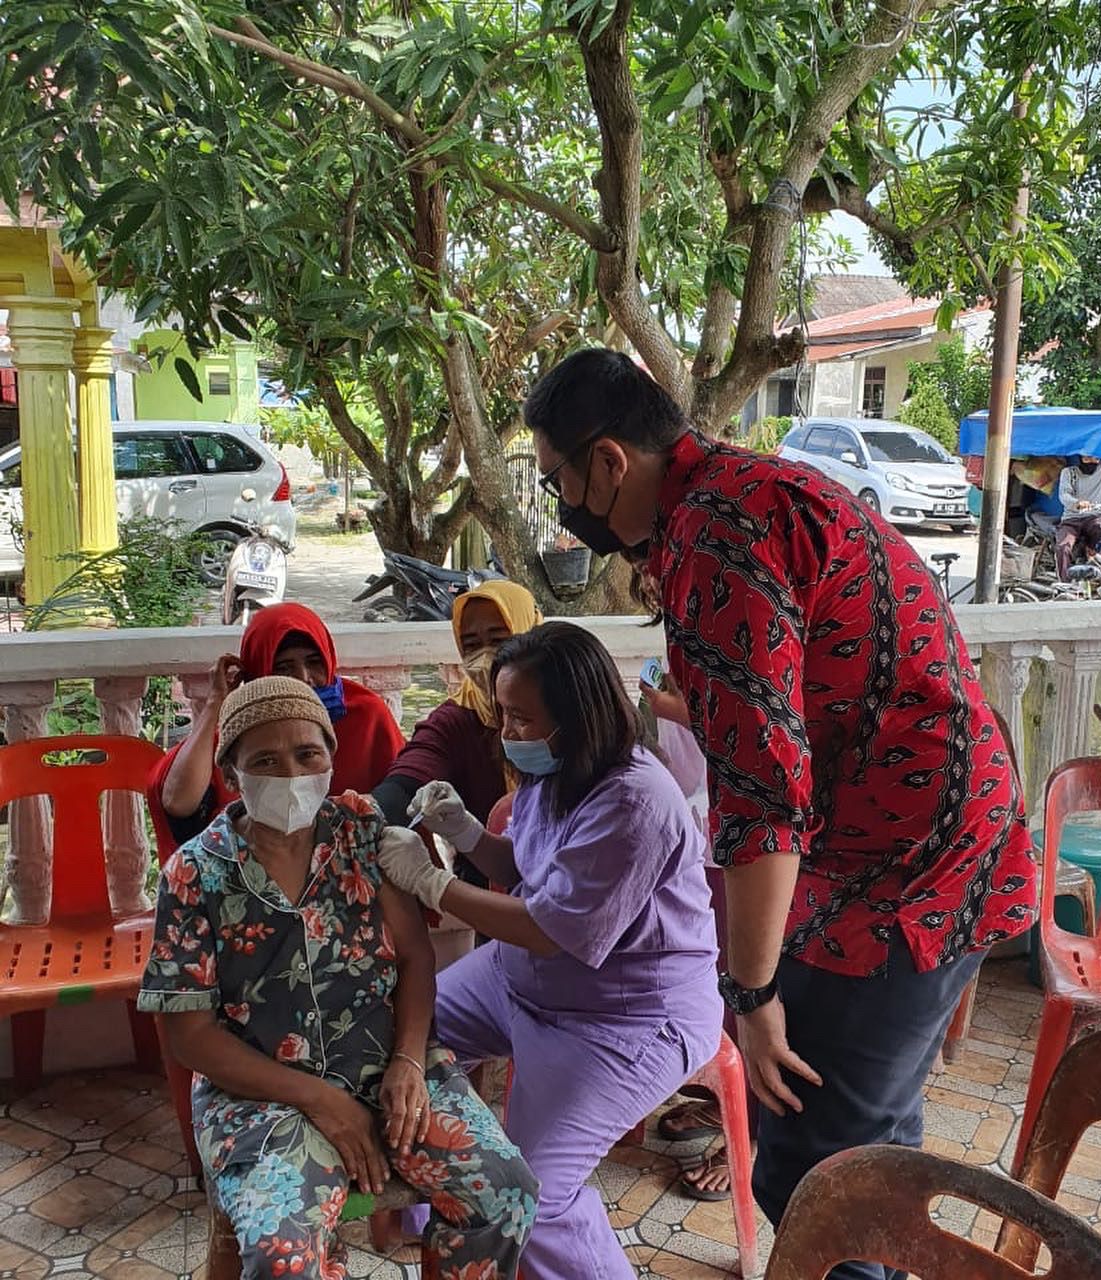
(742, 1000)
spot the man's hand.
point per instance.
(763, 1041)
(408, 865)
(225, 675)
(350, 1127)
(404, 1098)
(442, 811)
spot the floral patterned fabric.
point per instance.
(310, 984)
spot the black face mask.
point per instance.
(1086, 468)
(593, 530)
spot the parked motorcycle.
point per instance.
(412, 590)
(256, 575)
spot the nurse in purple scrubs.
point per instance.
(601, 982)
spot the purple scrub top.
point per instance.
(619, 885)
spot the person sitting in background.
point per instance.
(299, 987)
(186, 789)
(600, 982)
(459, 741)
(1080, 494)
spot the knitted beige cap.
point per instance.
(264, 700)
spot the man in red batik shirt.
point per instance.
(862, 799)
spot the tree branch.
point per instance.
(348, 227)
(618, 183)
(353, 436)
(507, 51)
(595, 235)
(442, 475)
(756, 350)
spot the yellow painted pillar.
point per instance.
(99, 522)
(41, 332)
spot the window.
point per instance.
(819, 440)
(904, 446)
(845, 442)
(224, 453)
(794, 438)
(217, 382)
(139, 457)
(11, 477)
(875, 391)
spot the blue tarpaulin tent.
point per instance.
(1038, 432)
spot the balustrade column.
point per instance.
(124, 840)
(388, 682)
(29, 866)
(1077, 663)
(1006, 670)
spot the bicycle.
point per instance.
(1011, 591)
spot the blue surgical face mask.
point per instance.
(332, 696)
(533, 757)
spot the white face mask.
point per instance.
(284, 804)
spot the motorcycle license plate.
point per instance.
(949, 509)
(265, 581)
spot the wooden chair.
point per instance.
(872, 1204)
(1071, 1104)
(82, 952)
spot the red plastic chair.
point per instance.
(724, 1076)
(1069, 963)
(872, 1204)
(81, 953)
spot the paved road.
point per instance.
(965, 545)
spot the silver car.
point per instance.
(212, 477)
(899, 471)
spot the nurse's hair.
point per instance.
(598, 727)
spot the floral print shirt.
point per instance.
(308, 983)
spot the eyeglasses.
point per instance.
(550, 482)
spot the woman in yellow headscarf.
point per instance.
(459, 741)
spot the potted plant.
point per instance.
(567, 561)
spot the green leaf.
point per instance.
(185, 371)
(67, 36)
(231, 322)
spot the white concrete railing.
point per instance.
(1039, 665)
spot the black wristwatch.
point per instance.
(741, 999)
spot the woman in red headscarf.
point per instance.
(186, 789)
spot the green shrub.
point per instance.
(928, 410)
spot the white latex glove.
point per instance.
(406, 863)
(443, 812)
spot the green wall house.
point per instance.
(228, 379)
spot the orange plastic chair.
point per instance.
(1069, 963)
(81, 953)
(724, 1076)
(872, 1204)
(1072, 1103)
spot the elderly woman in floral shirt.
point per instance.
(299, 986)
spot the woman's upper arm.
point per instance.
(405, 922)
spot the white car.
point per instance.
(897, 470)
(214, 478)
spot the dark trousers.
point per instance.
(873, 1041)
(1067, 534)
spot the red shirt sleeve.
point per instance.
(735, 626)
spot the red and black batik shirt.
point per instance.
(840, 714)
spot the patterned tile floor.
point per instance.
(93, 1182)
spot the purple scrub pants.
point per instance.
(572, 1100)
